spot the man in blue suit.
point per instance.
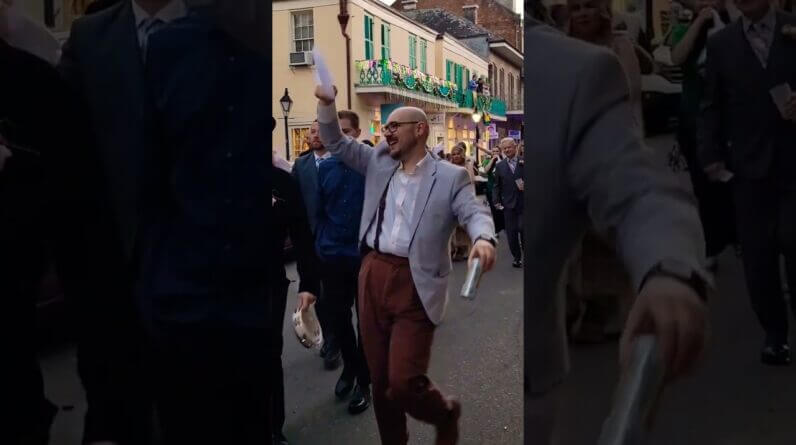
(305, 171)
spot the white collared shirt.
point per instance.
(760, 34)
(396, 230)
(318, 159)
(173, 10)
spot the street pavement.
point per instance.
(731, 399)
(476, 357)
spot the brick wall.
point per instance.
(491, 15)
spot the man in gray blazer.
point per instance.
(743, 131)
(588, 165)
(413, 202)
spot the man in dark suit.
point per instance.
(508, 196)
(305, 171)
(182, 246)
(743, 132)
(587, 165)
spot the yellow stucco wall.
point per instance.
(330, 42)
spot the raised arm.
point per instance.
(352, 152)
(655, 220)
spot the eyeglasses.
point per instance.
(392, 127)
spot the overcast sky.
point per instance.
(517, 5)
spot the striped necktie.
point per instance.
(149, 27)
(758, 38)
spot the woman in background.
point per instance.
(487, 170)
(460, 242)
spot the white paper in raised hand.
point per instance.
(323, 77)
(24, 33)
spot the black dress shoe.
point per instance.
(280, 439)
(360, 400)
(343, 387)
(332, 360)
(775, 355)
(517, 264)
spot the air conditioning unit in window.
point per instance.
(303, 58)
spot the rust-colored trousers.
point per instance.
(397, 337)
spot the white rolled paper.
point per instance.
(323, 77)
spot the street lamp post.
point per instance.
(286, 103)
(477, 119)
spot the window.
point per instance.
(369, 51)
(300, 141)
(512, 97)
(471, 12)
(448, 70)
(385, 41)
(412, 52)
(423, 55)
(303, 31)
(502, 85)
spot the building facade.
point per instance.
(392, 61)
(497, 16)
(505, 62)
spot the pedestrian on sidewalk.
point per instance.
(413, 202)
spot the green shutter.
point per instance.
(448, 66)
(412, 52)
(423, 55)
(368, 38)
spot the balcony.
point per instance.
(388, 77)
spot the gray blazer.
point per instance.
(587, 164)
(306, 174)
(740, 123)
(446, 198)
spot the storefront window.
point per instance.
(300, 141)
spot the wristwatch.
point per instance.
(696, 280)
(488, 238)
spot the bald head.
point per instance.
(406, 133)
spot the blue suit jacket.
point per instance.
(306, 173)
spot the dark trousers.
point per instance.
(22, 389)
(397, 336)
(340, 283)
(213, 385)
(497, 215)
(513, 220)
(279, 305)
(715, 200)
(766, 215)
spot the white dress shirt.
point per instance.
(318, 159)
(174, 10)
(399, 210)
(760, 34)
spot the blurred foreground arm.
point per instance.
(653, 219)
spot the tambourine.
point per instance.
(308, 328)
